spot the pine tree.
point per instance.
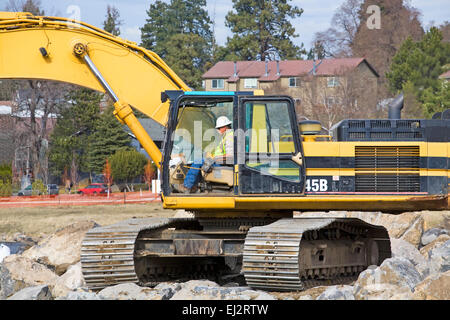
(108, 136)
(112, 23)
(418, 65)
(68, 141)
(180, 33)
(261, 29)
(436, 100)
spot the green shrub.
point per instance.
(5, 173)
(38, 187)
(5, 189)
(127, 165)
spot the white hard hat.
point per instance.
(222, 122)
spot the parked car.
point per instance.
(28, 191)
(94, 188)
(52, 189)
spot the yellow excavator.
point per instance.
(242, 224)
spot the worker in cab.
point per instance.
(222, 154)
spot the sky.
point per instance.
(316, 16)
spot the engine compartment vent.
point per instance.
(387, 168)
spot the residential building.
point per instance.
(314, 84)
(445, 76)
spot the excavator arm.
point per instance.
(60, 49)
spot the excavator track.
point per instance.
(288, 254)
(108, 253)
(296, 254)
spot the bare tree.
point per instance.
(36, 104)
(445, 29)
(351, 96)
(338, 39)
(398, 21)
(32, 6)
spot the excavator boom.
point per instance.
(34, 47)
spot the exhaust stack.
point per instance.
(395, 107)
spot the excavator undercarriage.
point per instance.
(276, 255)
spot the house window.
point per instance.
(217, 84)
(250, 83)
(332, 82)
(294, 82)
(330, 101)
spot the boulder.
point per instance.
(128, 291)
(241, 294)
(403, 249)
(61, 249)
(434, 244)
(79, 295)
(439, 258)
(394, 279)
(407, 226)
(209, 290)
(69, 281)
(435, 287)
(41, 292)
(341, 292)
(167, 289)
(18, 272)
(383, 291)
(436, 219)
(431, 235)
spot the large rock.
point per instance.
(435, 287)
(33, 293)
(436, 219)
(61, 249)
(209, 290)
(17, 272)
(425, 251)
(383, 291)
(394, 279)
(128, 291)
(69, 281)
(167, 289)
(431, 235)
(341, 292)
(79, 295)
(439, 258)
(403, 249)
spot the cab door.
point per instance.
(269, 152)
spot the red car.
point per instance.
(94, 188)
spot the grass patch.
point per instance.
(40, 222)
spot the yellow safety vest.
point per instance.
(227, 140)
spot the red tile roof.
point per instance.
(445, 75)
(287, 68)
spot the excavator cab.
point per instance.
(194, 140)
(264, 162)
